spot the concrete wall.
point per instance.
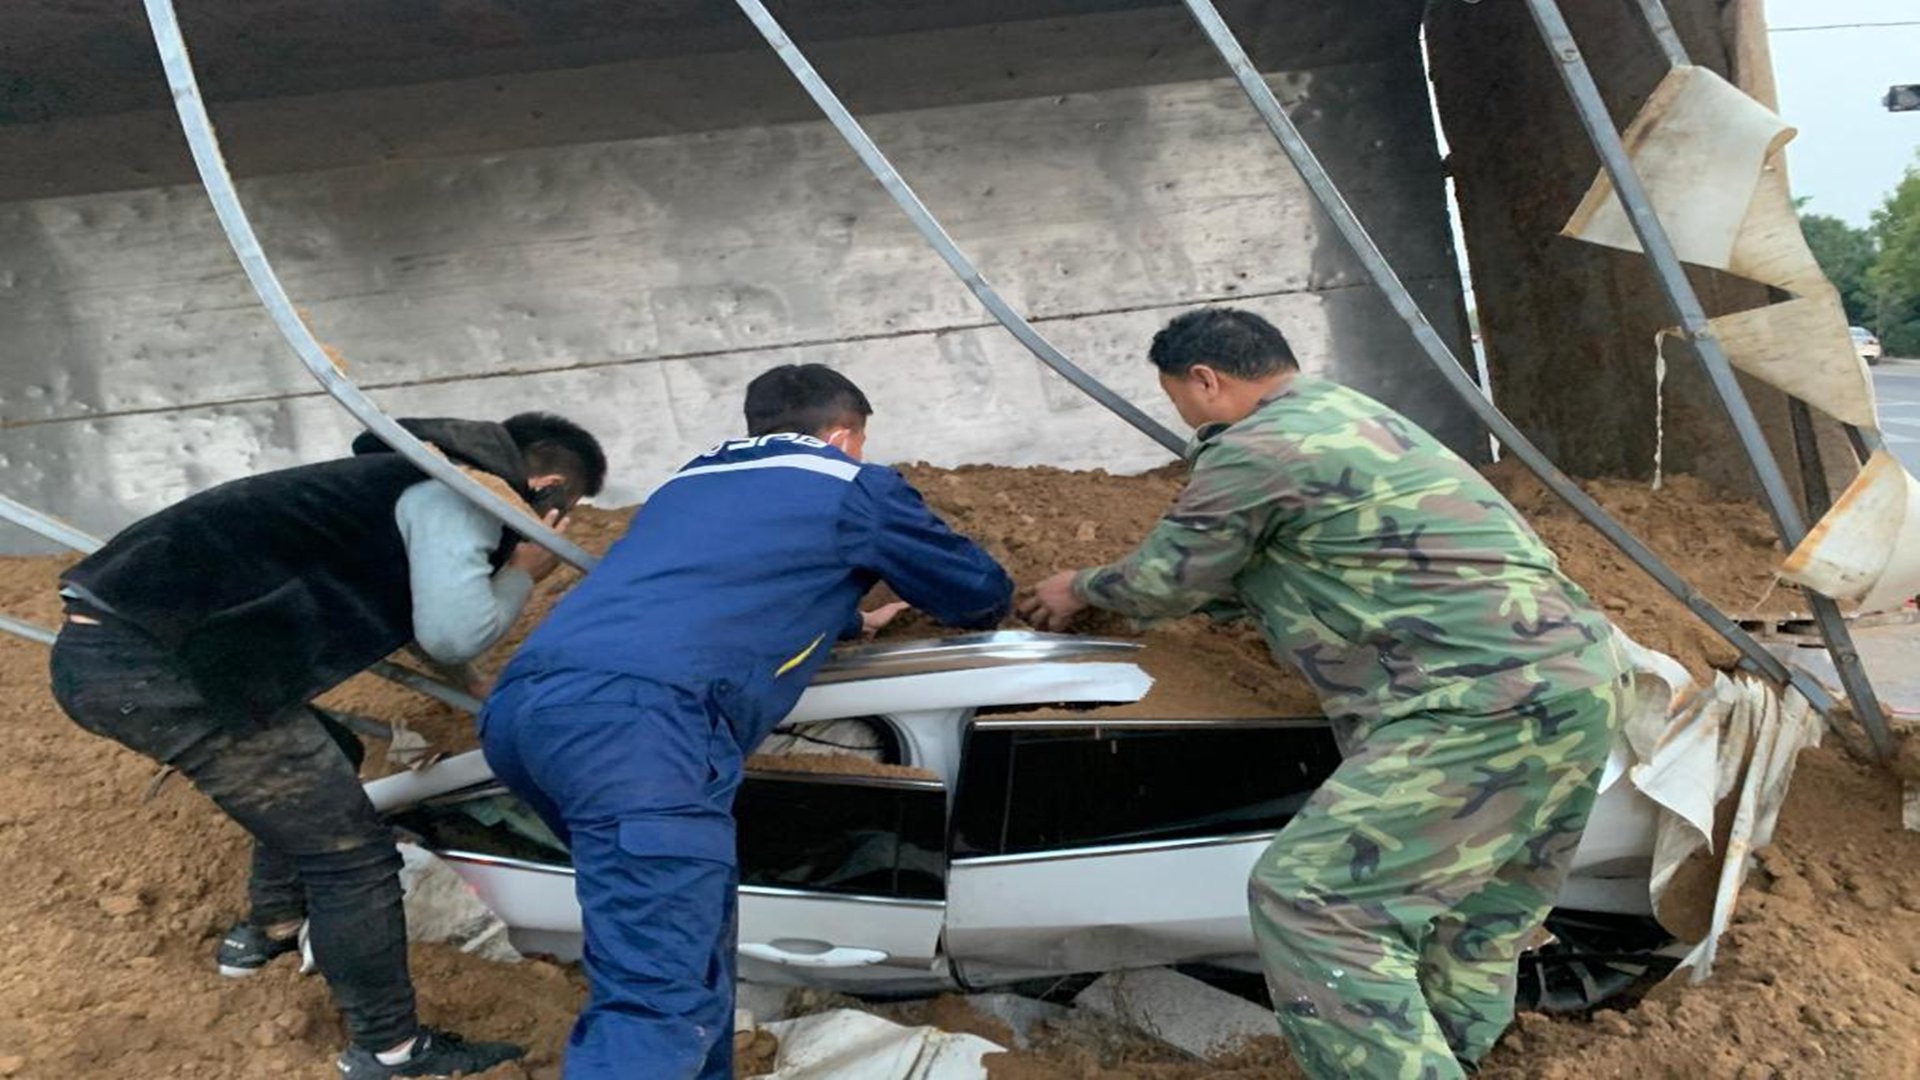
(629, 243)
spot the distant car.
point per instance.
(1017, 846)
(1868, 345)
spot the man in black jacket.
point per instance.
(197, 637)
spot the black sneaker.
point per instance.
(435, 1053)
(246, 949)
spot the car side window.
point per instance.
(843, 836)
(1027, 789)
(814, 833)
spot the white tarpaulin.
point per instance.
(1717, 763)
(1867, 548)
(1805, 348)
(1699, 146)
(1710, 158)
(848, 1045)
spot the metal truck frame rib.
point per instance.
(936, 236)
(205, 146)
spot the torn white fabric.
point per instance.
(1781, 728)
(1867, 548)
(1660, 405)
(1771, 248)
(1700, 147)
(1716, 762)
(1805, 348)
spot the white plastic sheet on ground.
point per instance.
(1717, 762)
(1867, 548)
(848, 1045)
(1700, 147)
(441, 906)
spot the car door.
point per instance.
(842, 878)
(1087, 845)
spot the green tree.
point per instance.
(1895, 277)
(1847, 255)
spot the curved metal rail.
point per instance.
(1754, 655)
(205, 146)
(930, 228)
(30, 631)
(51, 528)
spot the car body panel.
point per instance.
(915, 884)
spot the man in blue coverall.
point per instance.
(625, 719)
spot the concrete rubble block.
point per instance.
(765, 1001)
(1178, 1010)
(1023, 1014)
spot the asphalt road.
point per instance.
(1898, 384)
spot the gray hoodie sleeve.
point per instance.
(460, 606)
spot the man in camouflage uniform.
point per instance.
(1476, 685)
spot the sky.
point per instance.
(1850, 151)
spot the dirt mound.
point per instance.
(1039, 520)
(1723, 547)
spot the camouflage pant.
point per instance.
(1391, 912)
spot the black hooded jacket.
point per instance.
(275, 588)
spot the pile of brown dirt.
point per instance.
(1724, 547)
(1040, 520)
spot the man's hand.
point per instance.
(1051, 605)
(533, 560)
(872, 622)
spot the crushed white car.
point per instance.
(1026, 846)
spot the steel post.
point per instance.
(1754, 655)
(212, 166)
(936, 235)
(1672, 278)
(1806, 450)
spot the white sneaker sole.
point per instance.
(229, 972)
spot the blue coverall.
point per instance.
(625, 719)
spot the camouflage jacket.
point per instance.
(1380, 564)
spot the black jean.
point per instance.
(320, 849)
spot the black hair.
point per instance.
(554, 444)
(1232, 342)
(802, 399)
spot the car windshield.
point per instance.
(1861, 333)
